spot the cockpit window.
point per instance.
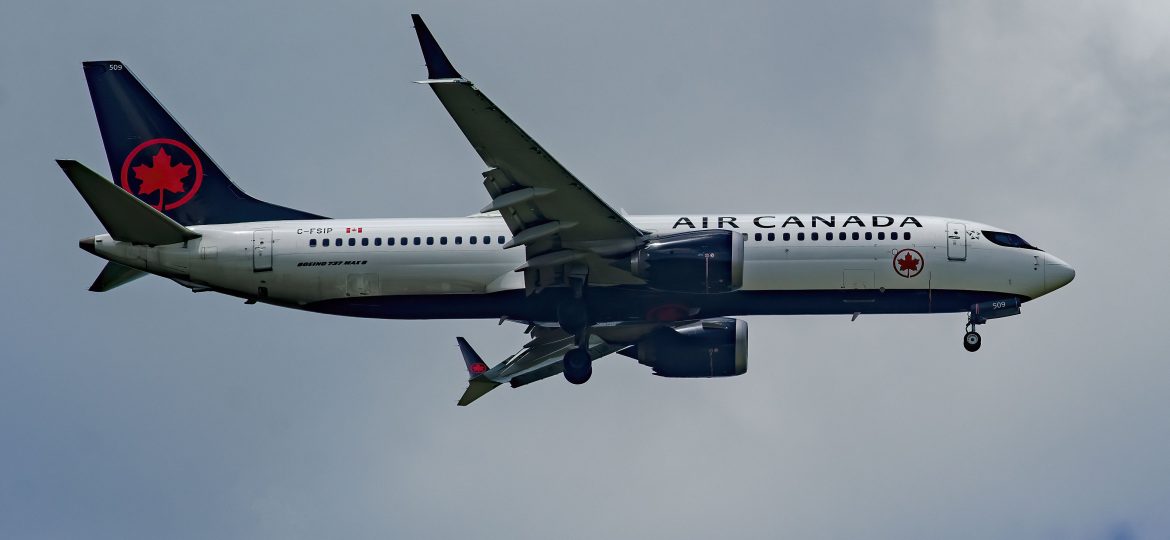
(1008, 240)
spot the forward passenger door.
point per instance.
(956, 241)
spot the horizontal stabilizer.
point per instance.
(115, 275)
(124, 216)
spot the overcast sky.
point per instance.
(150, 412)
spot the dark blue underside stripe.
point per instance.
(620, 304)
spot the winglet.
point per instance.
(478, 384)
(438, 66)
(475, 365)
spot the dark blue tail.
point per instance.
(152, 157)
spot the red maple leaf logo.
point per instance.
(908, 264)
(479, 367)
(161, 176)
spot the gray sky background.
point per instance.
(150, 412)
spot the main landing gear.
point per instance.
(578, 365)
(573, 316)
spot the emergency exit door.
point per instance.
(956, 241)
(261, 251)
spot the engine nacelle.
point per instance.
(708, 261)
(711, 348)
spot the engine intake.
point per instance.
(711, 348)
(708, 261)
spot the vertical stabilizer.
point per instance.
(152, 156)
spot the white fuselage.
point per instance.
(299, 263)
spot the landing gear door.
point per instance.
(956, 241)
(262, 251)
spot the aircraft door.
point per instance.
(262, 251)
(956, 241)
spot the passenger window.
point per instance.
(759, 236)
(881, 236)
(894, 235)
(458, 240)
(418, 241)
(487, 240)
(443, 240)
(338, 243)
(906, 236)
(365, 241)
(868, 235)
(352, 241)
(800, 237)
(430, 240)
(313, 242)
(829, 237)
(500, 240)
(856, 236)
(840, 236)
(390, 241)
(378, 241)
(771, 237)
(472, 239)
(815, 236)
(787, 236)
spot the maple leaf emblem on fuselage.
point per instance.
(161, 176)
(908, 263)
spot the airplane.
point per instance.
(587, 280)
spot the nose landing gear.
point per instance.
(972, 340)
(981, 313)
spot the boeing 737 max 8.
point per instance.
(586, 280)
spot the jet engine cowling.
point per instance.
(706, 262)
(711, 348)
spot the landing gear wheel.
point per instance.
(578, 366)
(972, 341)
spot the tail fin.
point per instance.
(152, 157)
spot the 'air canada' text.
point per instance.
(771, 222)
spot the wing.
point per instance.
(539, 358)
(558, 220)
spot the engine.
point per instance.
(711, 348)
(708, 261)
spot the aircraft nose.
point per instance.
(1057, 273)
